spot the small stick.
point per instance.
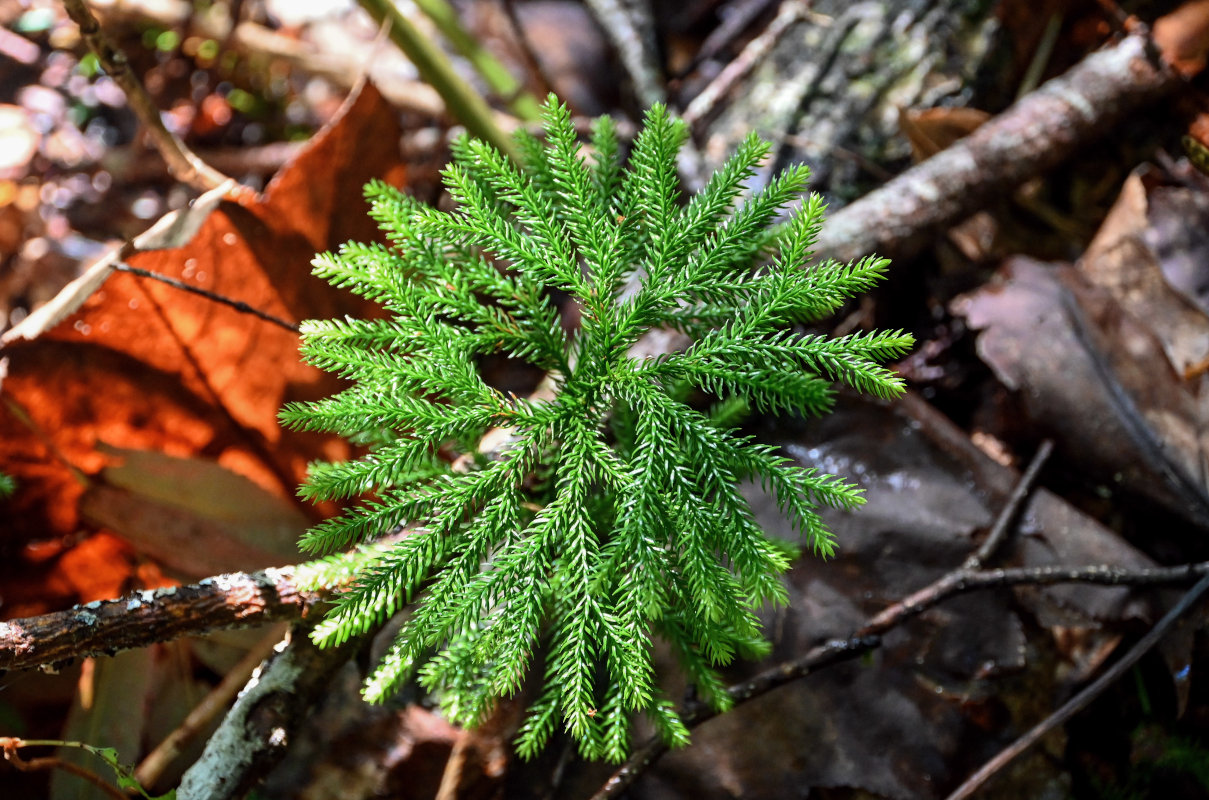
(238, 305)
(140, 619)
(1007, 515)
(11, 745)
(182, 162)
(730, 28)
(1083, 698)
(756, 51)
(174, 229)
(244, 600)
(526, 46)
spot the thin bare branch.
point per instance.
(756, 51)
(1083, 698)
(174, 229)
(11, 746)
(184, 165)
(214, 297)
(1007, 515)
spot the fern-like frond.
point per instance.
(614, 512)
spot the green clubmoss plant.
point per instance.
(612, 513)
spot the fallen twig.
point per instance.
(1083, 698)
(1011, 509)
(184, 165)
(214, 297)
(532, 65)
(174, 229)
(10, 746)
(730, 28)
(237, 600)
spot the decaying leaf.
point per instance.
(192, 516)
(1099, 354)
(145, 367)
(1183, 36)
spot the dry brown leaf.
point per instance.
(931, 130)
(1098, 354)
(191, 515)
(1124, 259)
(143, 366)
(1095, 377)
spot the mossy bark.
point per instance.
(829, 92)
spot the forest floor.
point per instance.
(1050, 257)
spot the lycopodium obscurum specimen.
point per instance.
(612, 513)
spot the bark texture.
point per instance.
(105, 627)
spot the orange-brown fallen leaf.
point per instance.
(145, 367)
